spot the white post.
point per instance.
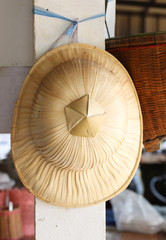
(53, 222)
(59, 223)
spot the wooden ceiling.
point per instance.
(143, 3)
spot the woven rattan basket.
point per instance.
(10, 224)
(144, 56)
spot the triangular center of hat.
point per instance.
(84, 117)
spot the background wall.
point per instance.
(16, 28)
(16, 54)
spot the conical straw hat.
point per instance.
(77, 127)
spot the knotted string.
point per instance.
(72, 30)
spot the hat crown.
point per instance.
(84, 117)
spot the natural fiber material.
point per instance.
(144, 56)
(84, 117)
(10, 224)
(81, 88)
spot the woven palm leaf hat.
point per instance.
(77, 127)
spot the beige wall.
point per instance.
(16, 33)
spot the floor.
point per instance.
(114, 235)
(28, 238)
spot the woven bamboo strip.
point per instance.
(69, 170)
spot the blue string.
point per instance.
(72, 29)
(47, 13)
(93, 17)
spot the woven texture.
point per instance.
(77, 127)
(144, 56)
(10, 224)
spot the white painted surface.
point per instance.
(47, 29)
(53, 222)
(11, 79)
(110, 18)
(58, 223)
(16, 33)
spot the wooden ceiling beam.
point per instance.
(149, 4)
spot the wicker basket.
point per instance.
(144, 56)
(10, 224)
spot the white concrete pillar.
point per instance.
(53, 222)
(59, 223)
